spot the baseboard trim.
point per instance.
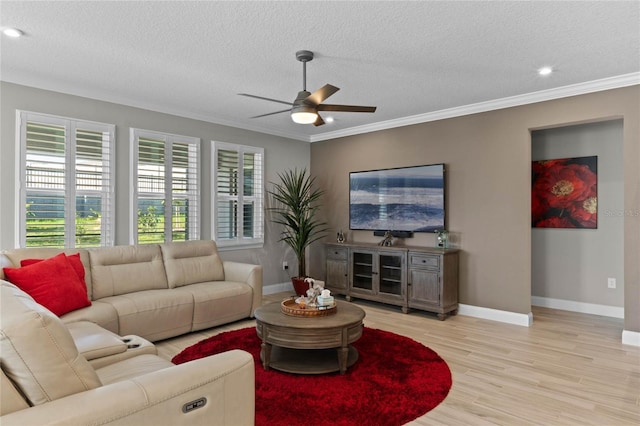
(582, 307)
(496, 315)
(630, 338)
(277, 288)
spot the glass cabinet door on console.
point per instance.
(363, 271)
(391, 274)
(378, 275)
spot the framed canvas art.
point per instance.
(564, 193)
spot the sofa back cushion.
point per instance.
(12, 259)
(126, 269)
(192, 262)
(37, 352)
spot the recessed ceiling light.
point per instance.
(12, 32)
(328, 120)
(545, 70)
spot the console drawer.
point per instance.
(425, 261)
(337, 253)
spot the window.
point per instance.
(237, 202)
(66, 182)
(166, 190)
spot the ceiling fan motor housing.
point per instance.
(304, 55)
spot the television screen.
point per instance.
(402, 199)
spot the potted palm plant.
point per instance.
(295, 208)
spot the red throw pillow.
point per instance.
(75, 261)
(53, 283)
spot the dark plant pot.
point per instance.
(300, 286)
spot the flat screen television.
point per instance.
(410, 199)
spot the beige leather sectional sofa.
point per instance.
(96, 365)
(45, 379)
(158, 291)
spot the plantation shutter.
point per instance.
(252, 196)
(67, 185)
(227, 196)
(167, 191)
(94, 188)
(46, 167)
(238, 187)
(185, 215)
(151, 190)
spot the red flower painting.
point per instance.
(564, 193)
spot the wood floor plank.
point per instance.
(566, 369)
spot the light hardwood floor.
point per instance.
(566, 369)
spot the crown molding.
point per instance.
(609, 83)
(108, 97)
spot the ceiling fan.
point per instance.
(304, 110)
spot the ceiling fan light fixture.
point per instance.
(304, 114)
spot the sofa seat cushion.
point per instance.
(153, 314)
(218, 302)
(103, 314)
(190, 262)
(131, 368)
(37, 351)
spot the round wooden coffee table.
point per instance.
(309, 345)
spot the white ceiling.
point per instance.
(415, 61)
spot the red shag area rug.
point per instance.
(394, 381)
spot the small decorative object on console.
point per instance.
(340, 238)
(442, 238)
(387, 241)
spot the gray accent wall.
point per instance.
(280, 154)
(574, 264)
(488, 160)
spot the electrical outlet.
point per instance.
(285, 265)
(611, 282)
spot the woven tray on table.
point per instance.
(290, 307)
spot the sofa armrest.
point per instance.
(246, 273)
(226, 380)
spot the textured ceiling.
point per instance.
(412, 60)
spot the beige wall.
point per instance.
(488, 159)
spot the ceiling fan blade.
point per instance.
(319, 121)
(321, 94)
(271, 113)
(345, 108)
(265, 99)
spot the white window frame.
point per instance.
(107, 194)
(194, 193)
(240, 242)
